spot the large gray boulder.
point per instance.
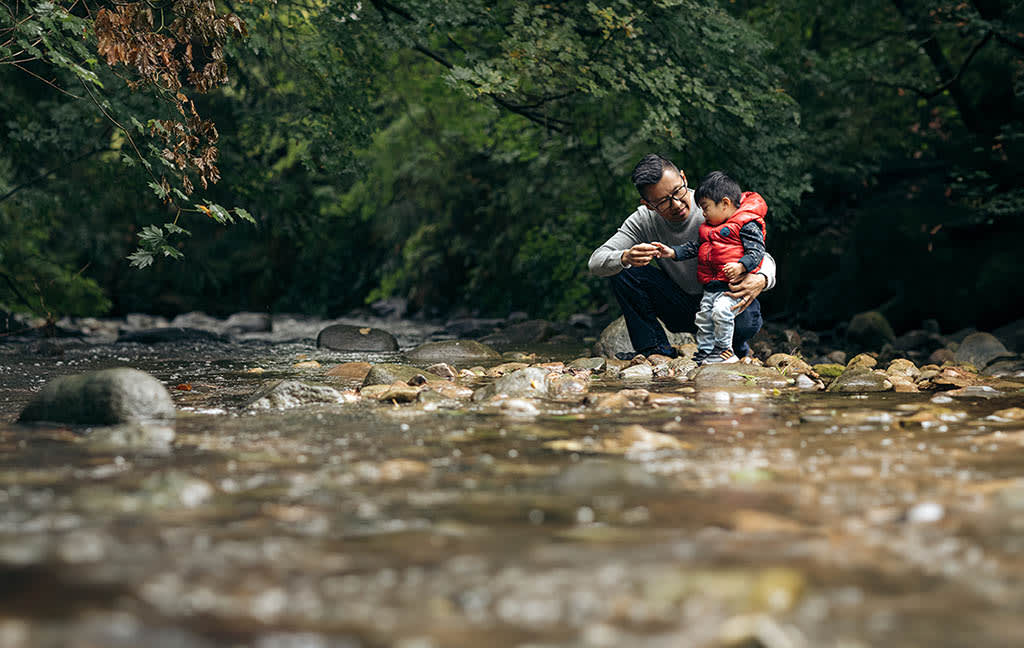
(343, 337)
(615, 339)
(453, 352)
(106, 397)
(979, 349)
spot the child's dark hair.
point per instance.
(715, 186)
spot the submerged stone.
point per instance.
(106, 397)
(344, 337)
(285, 394)
(453, 351)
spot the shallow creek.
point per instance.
(780, 519)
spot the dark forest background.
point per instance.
(468, 156)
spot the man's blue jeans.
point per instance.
(646, 294)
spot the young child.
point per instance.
(731, 243)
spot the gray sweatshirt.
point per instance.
(647, 226)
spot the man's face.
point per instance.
(670, 197)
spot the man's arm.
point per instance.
(607, 259)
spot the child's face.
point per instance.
(716, 213)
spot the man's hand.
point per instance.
(746, 290)
(664, 251)
(733, 271)
(640, 254)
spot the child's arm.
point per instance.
(753, 252)
(682, 252)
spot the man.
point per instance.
(670, 292)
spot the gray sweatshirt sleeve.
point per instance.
(607, 259)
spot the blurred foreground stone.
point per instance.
(106, 397)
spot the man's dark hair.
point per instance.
(715, 186)
(649, 170)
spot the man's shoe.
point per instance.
(719, 355)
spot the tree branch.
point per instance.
(46, 174)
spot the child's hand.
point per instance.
(733, 271)
(664, 251)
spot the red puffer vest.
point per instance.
(721, 244)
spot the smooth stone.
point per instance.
(1013, 369)
(860, 379)
(739, 375)
(903, 367)
(350, 370)
(453, 351)
(869, 330)
(975, 391)
(918, 341)
(637, 373)
(443, 370)
(838, 357)
(344, 337)
(979, 349)
(505, 368)
(170, 334)
(865, 360)
(400, 393)
(285, 394)
(593, 364)
(805, 382)
(387, 373)
(788, 364)
(615, 339)
(525, 383)
(449, 390)
(246, 322)
(829, 371)
(941, 356)
(104, 397)
(567, 387)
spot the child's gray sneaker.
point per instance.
(700, 356)
(719, 355)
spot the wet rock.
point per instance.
(450, 390)
(903, 384)
(170, 334)
(941, 356)
(803, 381)
(443, 370)
(919, 342)
(344, 337)
(613, 401)
(788, 364)
(865, 360)
(471, 327)
(869, 330)
(521, 333)
(567, 387)
(975, 391)
(1013, 369)
(525, 383)
(860, 379)
(637, 373)
(399, 392)
(829, 371)
(727, 376)
(249, 323)
(453, 351)
(307, 364)
(350, 370)
(505, 368)
(615, 339)
(518, 356)
(593, 364)
(197, 320)
(1012, 335)
(104, 397)
(390, 307)
(979, 349)
(1010, 414)
(903, 367)
(285, 394)
(682, 366)
(386, 373)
